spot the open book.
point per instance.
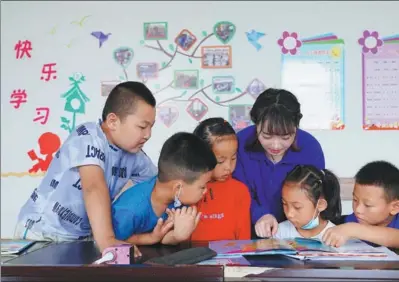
(300, 248)
(12, 247)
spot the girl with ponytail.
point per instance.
(311, 202)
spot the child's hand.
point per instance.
(186, 220)
(171, 215)
(266, 226)
(161, 229)
(338, 235)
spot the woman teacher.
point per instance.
(268, 150)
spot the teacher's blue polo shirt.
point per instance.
(264, 178)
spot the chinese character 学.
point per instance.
(18, 97)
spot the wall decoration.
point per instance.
(107, 86)
(48, 72)
(18, 97)
(155, 31)
(253, 38)
(224, 31)
(53, 30)
(168, 114)
(197, 109)
(81, 22)
(75, 102)
(185, 39)
(255, 88)
(216, 57)
(102, 37)
(49, 144)
(239, 117)
(223, 84)
(147, 71)
(380, 75)
(42, 114)
(313, 69)
(22, 49)
(123, 56)
(186, 79)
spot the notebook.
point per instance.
(13, 247)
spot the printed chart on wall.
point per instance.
(313, 69)
(380, 63)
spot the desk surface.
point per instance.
(73, 255)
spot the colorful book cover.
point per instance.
(296, 247)
(380, 81)
(10, 247)
(251, 247)
(313, 69)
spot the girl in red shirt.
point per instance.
(225, 207)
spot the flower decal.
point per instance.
(289, 42)
(370, 42)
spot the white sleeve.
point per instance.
(143, 168)
(83, 150)
(284, 230)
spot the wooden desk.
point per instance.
(71, 262)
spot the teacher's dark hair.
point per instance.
(277, 112)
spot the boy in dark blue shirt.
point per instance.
(140, 214)
(375, 216)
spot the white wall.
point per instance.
(345, 150)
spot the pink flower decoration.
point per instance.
(289, 42)
(370, 42)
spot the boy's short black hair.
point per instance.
(382, 174)
(122, 100)
(186, 157)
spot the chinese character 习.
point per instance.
(42, 115)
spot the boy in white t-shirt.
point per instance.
(311, 202)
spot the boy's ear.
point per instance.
(395, 207)
(176, 186)
(322, 205)
(112, 121)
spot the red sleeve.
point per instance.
(243, 204)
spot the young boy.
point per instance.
(184, 168)
(376, 208)
(93, 165)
